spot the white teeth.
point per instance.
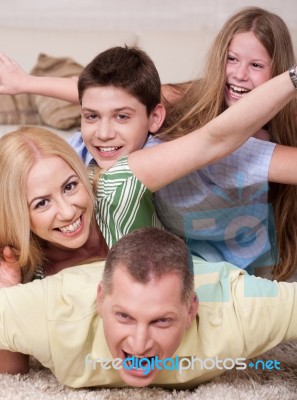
(107, 149)
(71, 228)
(238, 89)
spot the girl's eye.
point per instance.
(231, 58)
(258, 66)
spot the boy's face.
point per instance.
(114, 124)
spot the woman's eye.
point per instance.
(41, 204)
(70, 186)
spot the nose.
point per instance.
(65, 210)
(240, 72)
(140, 341)
(105, 130)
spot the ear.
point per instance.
(192, 311)
(100, 291)
(156, 118)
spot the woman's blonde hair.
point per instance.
(204, 100)
(19, 151)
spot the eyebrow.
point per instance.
(114, 109)
(48, 195)
(165, 314)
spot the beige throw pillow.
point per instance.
(53, 112)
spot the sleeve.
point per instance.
(266, 312)
(23, 320)
(123, 203)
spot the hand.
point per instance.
(10, 272)
(13, 79)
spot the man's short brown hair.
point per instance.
(148, 253)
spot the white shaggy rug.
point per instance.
(248, 384)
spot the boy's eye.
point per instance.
(122, 117)
(90, 117)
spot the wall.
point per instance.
(138, 15)
(177, 34)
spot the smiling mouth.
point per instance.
(237, 89)
(71, 228)
(108, 149)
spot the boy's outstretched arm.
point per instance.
(14, 80)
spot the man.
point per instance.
(148, 330)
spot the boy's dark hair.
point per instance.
(128, 68)
(149, 253)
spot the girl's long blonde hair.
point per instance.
(204, 100)
(19, 151)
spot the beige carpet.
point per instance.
(233, 385)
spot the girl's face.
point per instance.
(248, 66)
(59, 205)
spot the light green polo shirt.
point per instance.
(55, 320)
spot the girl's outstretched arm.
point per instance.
(158, 166)
(14, 80)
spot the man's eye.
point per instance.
(122, 316)
(163, 322)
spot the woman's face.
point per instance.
(248, 66)
(59, 205)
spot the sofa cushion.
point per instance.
(54, 112)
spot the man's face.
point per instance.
(144, 320)
(114, 123)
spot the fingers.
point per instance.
(10, 272)
(4, 59)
